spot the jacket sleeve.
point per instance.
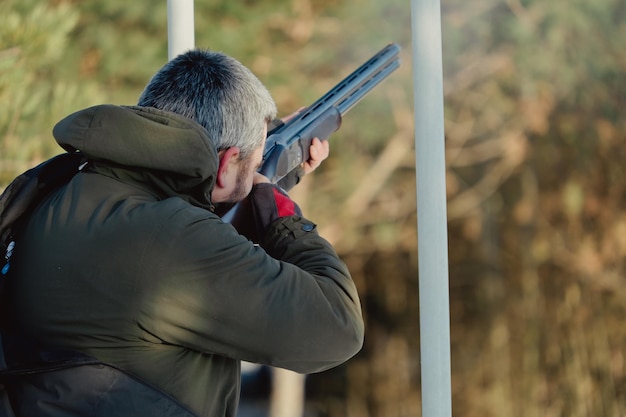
(291, 305)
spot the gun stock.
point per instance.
(287, 146)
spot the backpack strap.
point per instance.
(39, 380)
(21, 356)
(26, 191)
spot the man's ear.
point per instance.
(227, 170)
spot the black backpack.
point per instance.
(25, 192)
(38, 381)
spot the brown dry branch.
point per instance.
(370, 187)
(393, 156)
(478, 69)
(511, 152)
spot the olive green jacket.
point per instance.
(127, 263)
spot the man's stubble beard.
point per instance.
(240, 192)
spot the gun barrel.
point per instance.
(351, 89)
(351, 100)
(356, 85)
(288, 145)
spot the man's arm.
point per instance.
(290, 303)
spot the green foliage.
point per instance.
(535, 122)
(535, 128)
(33, 37)
(60, 56)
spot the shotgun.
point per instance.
(287, 144)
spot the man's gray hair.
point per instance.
(216, 91)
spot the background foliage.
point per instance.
(535, 96)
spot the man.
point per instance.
(129, 263)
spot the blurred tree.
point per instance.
(535, 130)
(535, 96)
(33, 38)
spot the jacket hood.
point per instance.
(168, 150)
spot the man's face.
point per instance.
(235, 175)
(245, 175)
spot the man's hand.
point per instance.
(319, 150)
(265, 204)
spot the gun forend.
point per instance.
(287, 146)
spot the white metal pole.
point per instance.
(180, 27)
(431, 209)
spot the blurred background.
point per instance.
(535, 122)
